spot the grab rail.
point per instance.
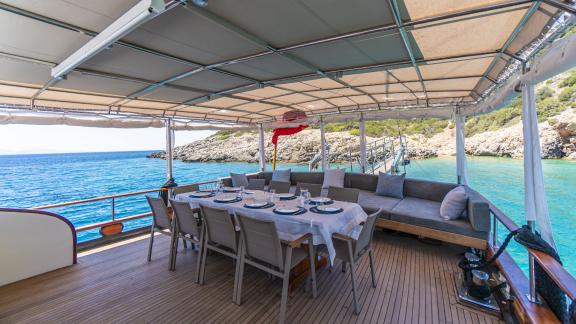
(113, 220)
(565, 281)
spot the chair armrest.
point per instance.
(297, 242)
(342, 237)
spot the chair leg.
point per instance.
(285, 281)
(372, 268)
(353, 275)
(312, 256)
(184, 244)
(199, 257)
(150, 244)
(239, 278)
(343, 266)
(173, 253)
(203, 261)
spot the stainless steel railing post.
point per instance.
(494, 231)
(113, 209)
(533, 296)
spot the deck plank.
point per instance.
(116, 284)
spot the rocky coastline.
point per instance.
(557, 137)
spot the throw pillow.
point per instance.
(454, 204)
(390, 185)
(334, 178)
(281, 175)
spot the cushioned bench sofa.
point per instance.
(418, 213)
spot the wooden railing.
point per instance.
(112, 198)
(525, 288)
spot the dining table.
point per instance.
(290, 227)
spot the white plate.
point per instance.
(328, 209)
(285, 195)
(287, 210)
(226, 198)
(320, 200)
(201, 193)
(257, 204)
(249, 192)
(231, 189)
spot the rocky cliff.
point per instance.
(557, 137)
(243, 147)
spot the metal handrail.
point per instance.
(113, 198)
(553, 268)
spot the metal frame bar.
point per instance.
(512, 36)
(561, 6)
(407, 44)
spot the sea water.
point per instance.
(42, 179)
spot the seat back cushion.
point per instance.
(390, 185)
(454, 204)
(361, 181)
(478, 211)
(429, 190)
(306, 177)
(239, 179)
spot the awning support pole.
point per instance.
(274, 158)
(323, 145)
(362, 127)
(461, 163)
(169, 148)
(261, 149)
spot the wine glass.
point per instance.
(272, 195)
(303, 193)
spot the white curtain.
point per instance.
(325, 165)
(461, 164)
(535, 204)
(261, 149)
(362, 128)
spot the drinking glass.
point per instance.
(303, 193)
(307, 197)
(272, 196)
(241, 193)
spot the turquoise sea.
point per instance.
(34, 180)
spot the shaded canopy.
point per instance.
(248, 62)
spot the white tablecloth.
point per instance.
(291, 227)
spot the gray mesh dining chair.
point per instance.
(160, 221)
(279, 186)
(314, 189)
(220, 236)
(344, 194)
(187, 227)
(350, 251)
(256, 184)
(262, 249)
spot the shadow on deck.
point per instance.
(116, 284)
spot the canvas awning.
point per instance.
(248, 62)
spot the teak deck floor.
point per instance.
(116, 284)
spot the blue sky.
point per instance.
(28, 139)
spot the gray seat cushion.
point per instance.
(426, 213)
(370, 200)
